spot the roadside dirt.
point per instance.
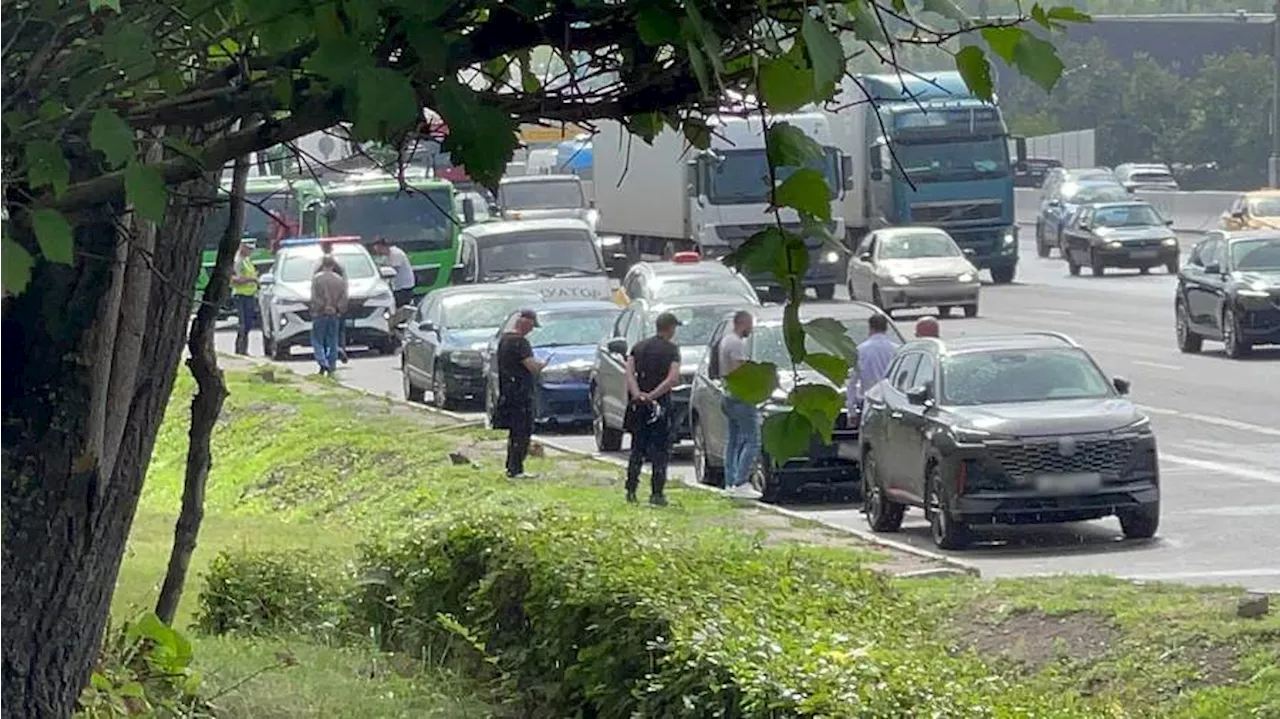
(1033, 640)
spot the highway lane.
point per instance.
(1218, 423)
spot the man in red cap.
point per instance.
(926, 326)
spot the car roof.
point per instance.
(676, 303)
(484, 290)
(1265, 192)
(526, 179)
(1252, 235)
(1119, 203)
(577, 306)
(667, 268)
(995, 343)
(888, 232)
(514, 227)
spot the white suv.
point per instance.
(285, 298)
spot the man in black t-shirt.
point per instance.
(653, 368)
(516, 368)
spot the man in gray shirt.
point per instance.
(328, 306)
(743, 443)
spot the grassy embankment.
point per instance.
(769, 617)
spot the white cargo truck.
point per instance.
(667, 197)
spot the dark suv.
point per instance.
(1012, 429)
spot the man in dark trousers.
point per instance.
(516, 368)
(653, 368)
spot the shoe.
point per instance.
(343, 357)
(631, 497)
(658, 500)
(522, 475)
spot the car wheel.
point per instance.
(825, 292)
(1188, 341)
(852, 295)
(1144, 270)
(1171, 267)
(490, 403)
(876, 299)
(279, 352)
(883, 514)
(1003, 275)
(607, 438)
(944, 310)
(268, 349)
(765, 480)
(1235, 345)
(947, 532)
(412, 392)
(439, 393)
(1041, 248)
(971, 311)
(1096, 266)
(705, 472)
(1140, 523)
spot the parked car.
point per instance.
(1063, 199)
(685, 275)
(566, 339)
(1229, 292)
(1014, 429)
(908, 267)
(445, 341)
(831, 467)
(1129, 235)
(1146, 176)
(1258, 210)
(285, 297)
(558, 257)
(700, 315)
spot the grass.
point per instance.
(305, 464)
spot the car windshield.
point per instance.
(1264, 206)
(697, 322)
(300, 266)
(1095, 193)
(1126, 216)
(478, 312)
(1154, 178)
(258, 224)
(413, 220)
(1092, 175)
(911, 247)
(767, 344)
(539, 252)
(547, 195)
(951, 161)
(742, 176)
(1256, 255)
(1021, 376)
(693, 285)
(478, 203)
(565, 329)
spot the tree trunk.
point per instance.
(66, 518)
(206, 406)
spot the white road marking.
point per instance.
(1210, 419)
(1157, 365)
(1249, 510)
(1220, 468)
(1175, 576)
(1065, 313)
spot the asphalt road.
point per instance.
(1217, 421)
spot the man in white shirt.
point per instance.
(395, 258)
(742, 446)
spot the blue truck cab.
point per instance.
(936, 155)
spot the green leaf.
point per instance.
(866, 26)
(762, 252)
(784, 86)
(820, 405)
(339, 59)
(805, 191)
(948, 9)
(386, 103)
(696, 133)
(51, 110)
(790, 147)
(96, 5)
(1039, 17)
(752, 382)
(795, 262)
(826, 55)
(144, 189)
(15, 266)
(529, 81)
(832, 335)
(646, 125)
(130, 48)
(830, 366)
(1038, 60)
(1066, 13)
(47, 166)
(53, 232)
(111, 136)
(1003, 40)
(481, 137)
(972, 63)
(698, 64)
(656, 25)
(792, 330)
(785, 435)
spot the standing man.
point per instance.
(396, 259)
(653, 368)
(326, 248)
(927, 326)
(328, 305)
(244, 292)
(744, 419)
(874, 355)
(516, 368)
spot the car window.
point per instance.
(713, 356)
(1219, 256)
(924, 372)
(906, 371)
(1260, 255)
(620, 326)
(1005, 376)
(1126, 216)
(566, 329)
(424, 309)
(638, 328)
(301, 266)
(1199, 253)
(916, 246)
(633, 285)
(694, 285)
(1268, 206)
(539, 252)
(471, 312)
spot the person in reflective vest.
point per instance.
(244, 292)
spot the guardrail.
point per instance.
(1190, 211)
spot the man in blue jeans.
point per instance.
(743, 445)
(328, 306)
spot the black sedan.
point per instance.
(444, 342)
(1062, 195)
(1129, 235)
(1229, 291)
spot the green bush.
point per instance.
(620, 616)
(272, 592)
(143, 669)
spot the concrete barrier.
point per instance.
(1190, 211)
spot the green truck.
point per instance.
(421, 221)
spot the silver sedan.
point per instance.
(909, 267)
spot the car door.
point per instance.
(1200, 286)
(861, 269)
(633, 285)
(431, 341)
(1076, 235)
(1216, 278)
(898, 473)
(611, 384)
(708, 393)
(914, 426)
(414, 339)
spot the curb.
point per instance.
(863, 535)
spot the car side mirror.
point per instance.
(426, 326)
(388, 273)
(1238, 214)
(969, 252)
(865, 257)
(267, 279)
(1054, 203)
(1121, 384)
(1168, 223)
(877, 174)
(1130, 190)
(459, 275)
(919, 395)
(468, 211)
(617, 346)
(1213, 268)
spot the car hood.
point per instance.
(1270, 278)
(467, 339)
(566, 354)
(566, 289)
(356, 289)
(1144, 232)
(1053, 417)
(926, 266)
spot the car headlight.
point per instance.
(610, 240)
(1010, 237)
(966, 277)
(1169, 241)
(1142, 425)
(1115, 245)
(1254, 289)
(465, 358)
(970, 435)
(901, 280)
(578, 371)
(831, 257)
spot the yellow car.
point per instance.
(1258, 210)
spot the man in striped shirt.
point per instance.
(874, 355)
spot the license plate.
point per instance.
(1146, 254)
(848, 450)
(1069, 483)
